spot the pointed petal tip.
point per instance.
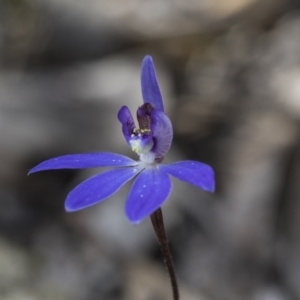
(150, 88)
(147, 58)
(211, 188)
(67, 206)
(69, 209)
(34, 170)
(148, 64)
(210, 185)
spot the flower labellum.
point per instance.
(151, 140)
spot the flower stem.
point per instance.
(158, 225)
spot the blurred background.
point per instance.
(229, 72)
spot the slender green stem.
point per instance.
(159, 228)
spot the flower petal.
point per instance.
(80, 161)
(150, 89)
(148, 192)
(99, 188)
(127, 122)
(193, 172)
(162, 132)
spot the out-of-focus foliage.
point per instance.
(230, 77)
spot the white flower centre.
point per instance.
(148, 158)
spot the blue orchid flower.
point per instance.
(151, 141)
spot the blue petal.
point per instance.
(162, 132)
(99, 188)
(150, 89)
(127, 122)
(80, 161)
(147, 194)
(194, 172)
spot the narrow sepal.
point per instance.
(80, 161)
(99, 188)
(162, 132)
(150, 89)
(193, 172)
(127, 122)
(148, 192)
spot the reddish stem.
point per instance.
(158, 225)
